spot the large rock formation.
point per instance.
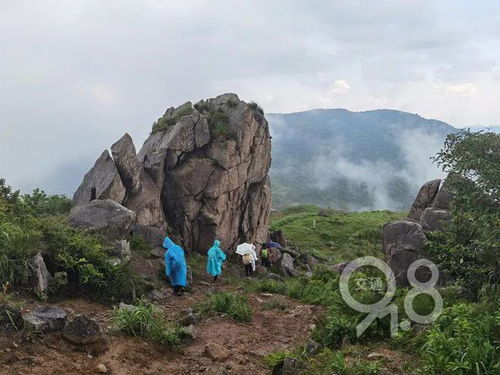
(202, 173)
(404, 240)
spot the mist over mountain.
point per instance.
(353, 160)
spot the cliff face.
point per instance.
(202, 173)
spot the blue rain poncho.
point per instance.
(215, 259)
(175, 263)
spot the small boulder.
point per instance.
(41, 275)
(105, 216)
(190, 332)
(45, 319)
(290, 366)
(260, 270)
(312, 348)
(286, 266)
(82, 331)
(189, 319)
(216, 352)
(274, 255)
(102, 369)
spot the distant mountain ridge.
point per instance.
(353, 160)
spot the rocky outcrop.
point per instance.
(203, 172)
(424, 198)
(104, 216)
(101, 182)
(404, 241)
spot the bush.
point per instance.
(81, 263)
(462, 341)
(87, 262)
(228, 303)
(18, 245)
(144, 320)
(166, 120)
(202, 106)
(468, 247)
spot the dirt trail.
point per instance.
(270, 330)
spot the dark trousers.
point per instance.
(178, 290)
(248, 270)
(266, 263)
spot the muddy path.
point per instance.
(245, 344)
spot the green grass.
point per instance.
(145, 320)
(334, 362)
(233, 305)
(274, 305)
(335, 235)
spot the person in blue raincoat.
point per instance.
(175, 265)
(215, 259)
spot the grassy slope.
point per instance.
(335, 235)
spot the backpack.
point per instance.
(247, 259)
(264, 253)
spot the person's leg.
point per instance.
(215, 278)
(248, 269)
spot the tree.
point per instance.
(468, 248)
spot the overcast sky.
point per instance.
(76, 75)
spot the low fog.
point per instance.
(376, 176)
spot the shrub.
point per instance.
(462, 341)
(228, 303)
(202, 106)
(164, 122)
(468, 248)
(18, 245)
(144, 320)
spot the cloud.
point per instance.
(461, 89)
(376, 176)
(75, 76)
